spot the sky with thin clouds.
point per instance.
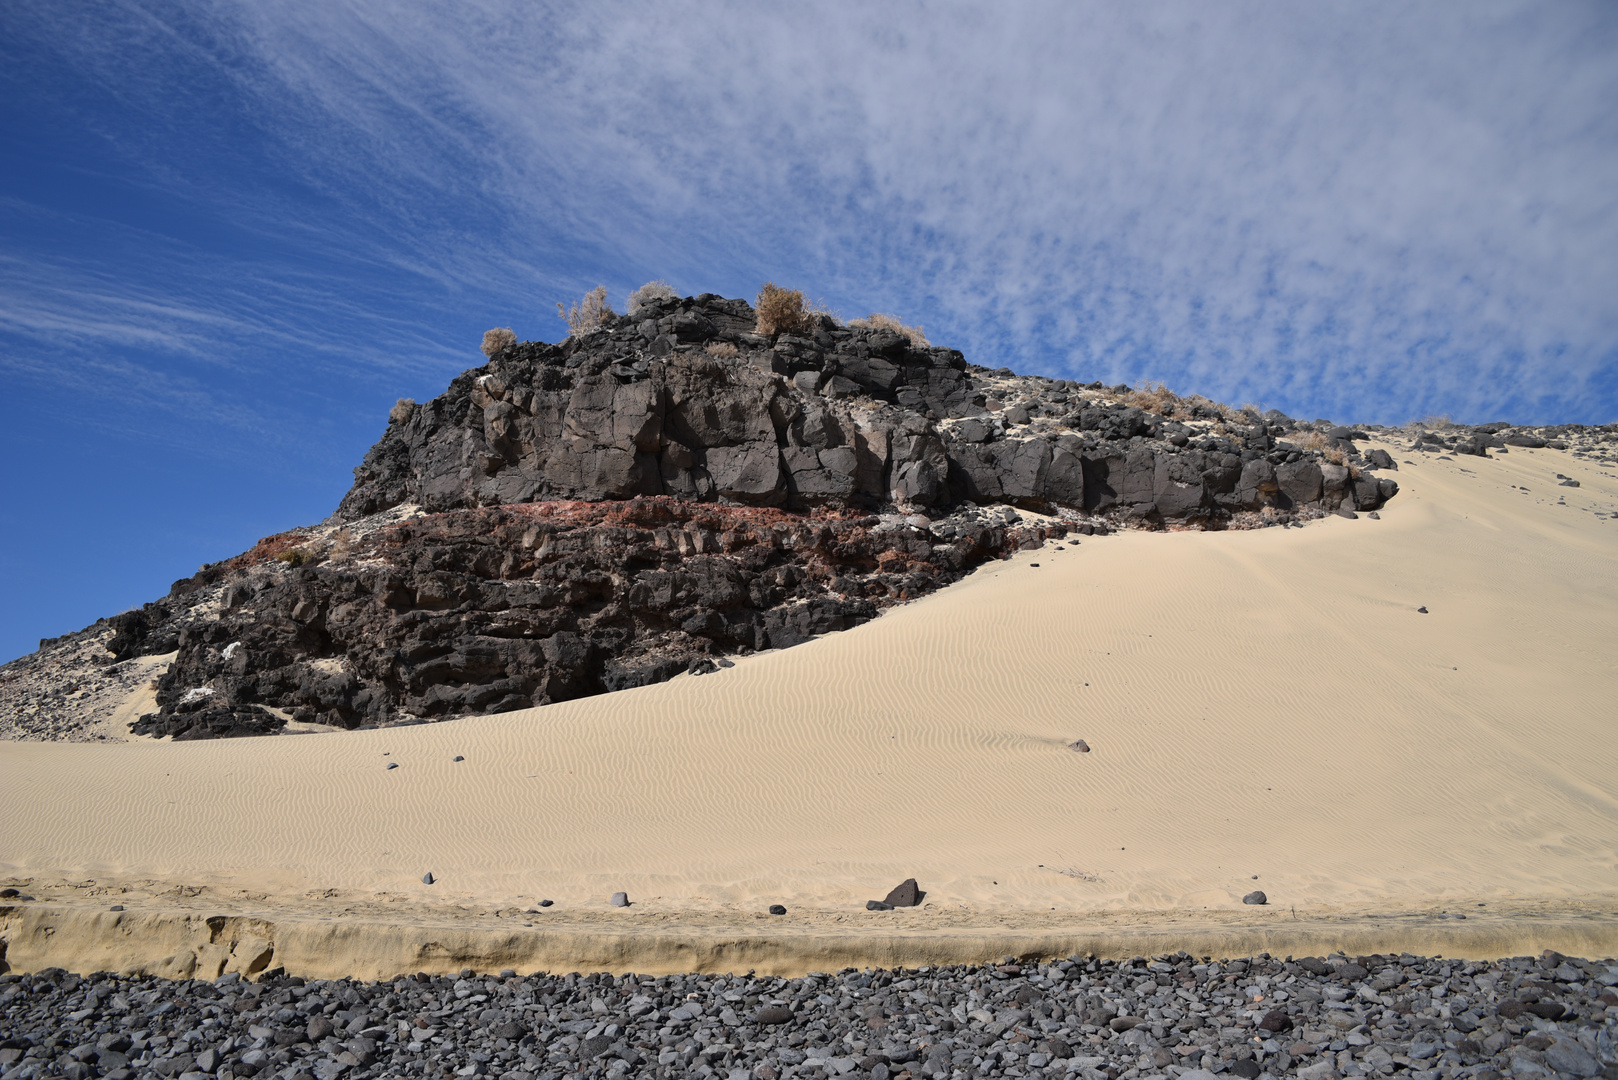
(234, 231)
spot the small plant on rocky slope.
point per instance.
(1154, 397)
(501, 337)
(1307, 440)
(402, 411)
(649, 293)
(783, 311)
(588, 313)
(878, 321)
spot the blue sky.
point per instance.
(232, 233)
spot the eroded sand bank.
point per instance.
(1265, 710)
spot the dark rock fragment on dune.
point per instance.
(878, 905)
(905, 894)
(1255, 897)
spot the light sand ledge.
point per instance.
(182, 942)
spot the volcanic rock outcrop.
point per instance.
(650, 496)
(685, 400)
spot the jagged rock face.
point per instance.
(493, 609)
(650, 496)
(686, 401)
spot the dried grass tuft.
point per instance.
(402, 411)
(588, 313)
(1155, 398)
(783, 311)
(878, 321)
(501, 337)
(722, 350)
(650, 292)
(1307, 440)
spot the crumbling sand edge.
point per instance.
(189, 944)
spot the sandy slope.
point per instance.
(1266, 710)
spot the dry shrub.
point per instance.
(1334, 454)
(1155, 398)
(403, 410)
(650, 292)
(588, 313)
(878, 321)
(783, 311)
(1439, 422)
(1307, 440)
(723, 350)
(499, 338)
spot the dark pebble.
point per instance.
(778, 909)
(877, 905)
(1255, 897)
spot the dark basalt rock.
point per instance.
(846, 417)
(493, 609)
(638, 501)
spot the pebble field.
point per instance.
(1175, 1017)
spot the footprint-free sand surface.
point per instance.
(1265, 710)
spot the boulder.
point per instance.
(905, 894)
(1301, 481)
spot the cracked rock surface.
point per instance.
(654, 495)
(1175, 1017)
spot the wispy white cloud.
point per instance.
(1368, 212)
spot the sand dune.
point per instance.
(1265, 710)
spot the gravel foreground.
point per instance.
(1169, 1017)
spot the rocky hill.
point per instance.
(660, 492)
